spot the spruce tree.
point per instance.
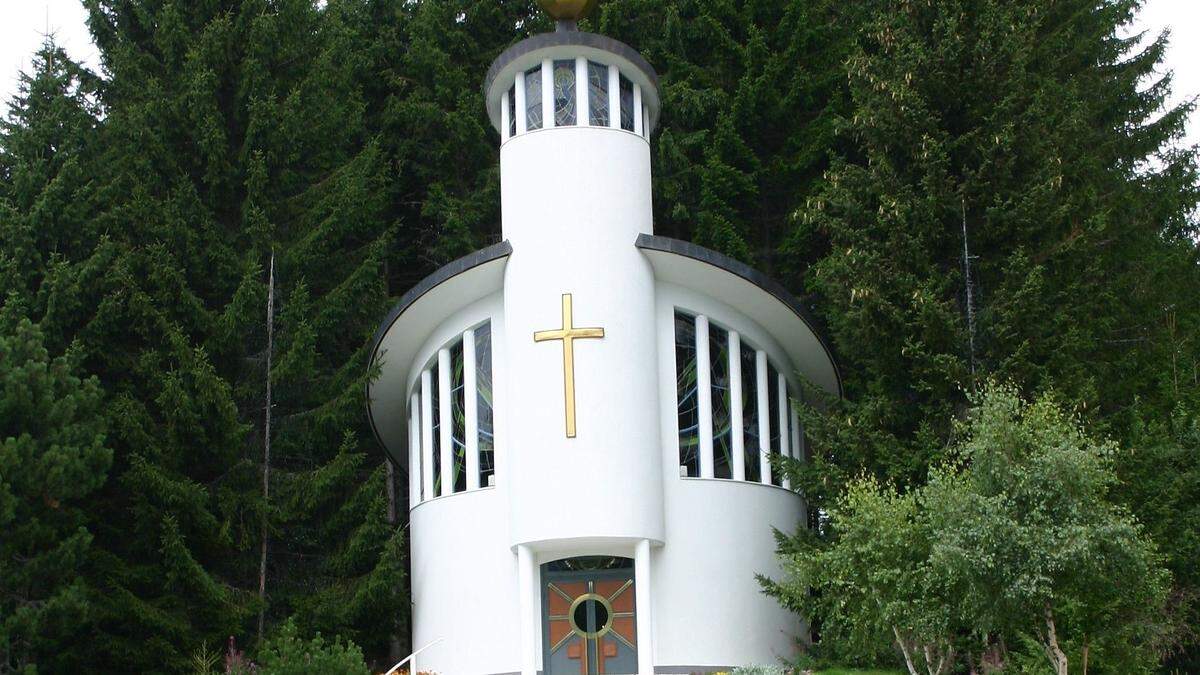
(52, 459)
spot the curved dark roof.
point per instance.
(563, 39)
(452, 269)
(651, 242)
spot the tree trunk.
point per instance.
(904, 648)
(1085, 656)
(1058, 659)
(266, 465)
(395, 651)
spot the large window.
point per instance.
(598, 94)
(688, 391)
(745, 419)
(452, 444)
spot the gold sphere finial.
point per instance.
(568, 10)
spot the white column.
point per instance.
(704, 397)
(637, 109)
(764, 416)
(471, 410)
(530, 625)
(547, 94)
(614, 98)
(583, 114)
(414, 450)
(645, 612)
(735, 403)
(445, 420)
(504, 121)
(427, 433)
(519, 90)
(784, 436)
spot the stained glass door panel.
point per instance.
(589, 625)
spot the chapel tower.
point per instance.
(590, 415)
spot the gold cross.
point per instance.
(568, 334)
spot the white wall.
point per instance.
(574, 200)
(464, 585)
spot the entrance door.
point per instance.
(589, 625)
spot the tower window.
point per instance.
(750, 413)
(512, 111)
(564, 93)
(626, 104)
(533, 98)
(483, 387)
(598, 94)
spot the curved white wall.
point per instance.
(464, 588)
(574, 200)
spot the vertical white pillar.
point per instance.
(637, 109)
(427, 433)
(445, 420)
(471, 410)
(784, 436)
(527, 592)
(414, 450)
(704, 397)
(504, 121)
(736, 434)
(764, 416)
(583, 114)
(645, 611)
(614, 98)
(547, 94)
(519, 91)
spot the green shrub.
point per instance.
(289, 654)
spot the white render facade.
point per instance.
(584, 503)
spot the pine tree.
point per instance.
(52, 458)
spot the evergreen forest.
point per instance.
(987, 202)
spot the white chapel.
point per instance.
(586, 411)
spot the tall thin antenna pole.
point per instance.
(970, 291)
(266, 468)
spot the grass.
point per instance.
(855, 671)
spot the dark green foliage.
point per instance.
(52, 458)
(751, 92)
(289, 654)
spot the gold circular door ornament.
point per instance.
(578, 615)
(568, 10)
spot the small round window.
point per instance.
(591, 616)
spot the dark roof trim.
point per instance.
(568, 38)
(651, 242)
(443, 274)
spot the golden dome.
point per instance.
(568, 10)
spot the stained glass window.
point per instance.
(564, 93)
(718, 353)
(750, 413)
(626, 104)
(533, 98)
(483, 383)
(598, 94)
(685, 384)
(773, 407)
(436, 456)
(458, 419)
(512, 110)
